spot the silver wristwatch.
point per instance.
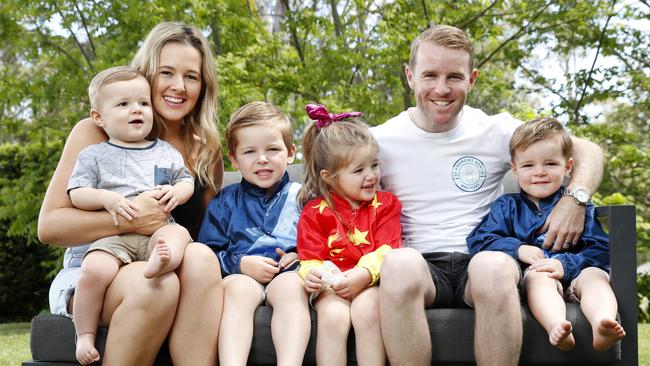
(580, 194)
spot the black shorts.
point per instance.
(449, 273)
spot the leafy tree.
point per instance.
(349, 55)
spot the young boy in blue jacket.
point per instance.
(251, 226)
(540, 153)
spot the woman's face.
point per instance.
(178, 83)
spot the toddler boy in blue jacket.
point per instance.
(251, 226)
(540, 153)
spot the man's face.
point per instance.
(441, 80)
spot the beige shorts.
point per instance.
(568, 294)
(126, 247)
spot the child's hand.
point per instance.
(116, 204)
(262, 269)
(529, 254)
(313, 282)
(286, 258)
(356, 280)
(552, 266)
(168, 195)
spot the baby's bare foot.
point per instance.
(86, 352)
(158, 259)
(560, 335)
(607, 333)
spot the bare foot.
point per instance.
(560, 335)
(158, 259)
(86, 352)
(607, 333)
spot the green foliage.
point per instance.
(643, 293)
(26, 266)
(567, 57)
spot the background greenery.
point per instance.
(583, 61)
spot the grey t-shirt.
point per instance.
(128, 171)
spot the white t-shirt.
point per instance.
(445, 181)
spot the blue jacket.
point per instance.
(514, 220)
(243, 220)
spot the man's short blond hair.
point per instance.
(259, 114)
(445, 36)
(538, 130)
(109, 76)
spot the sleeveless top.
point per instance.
(190, 214)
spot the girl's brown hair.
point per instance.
(330, 148)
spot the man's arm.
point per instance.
(566, 222)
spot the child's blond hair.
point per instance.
(330, 148)
(537, 130)
(109, 76)
(259, 114)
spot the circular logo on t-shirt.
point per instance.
(469, 173)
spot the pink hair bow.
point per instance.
(324, 118)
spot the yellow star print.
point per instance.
(375, 203)
(321, 206)
(332, 238)
(358, 237)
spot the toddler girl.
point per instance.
(347, 222)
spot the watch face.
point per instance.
(581, 195)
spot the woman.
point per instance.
(177, 61)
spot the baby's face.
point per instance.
(540, 168)
(125, 112)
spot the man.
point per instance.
(445, 161)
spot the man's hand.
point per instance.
(529, 254)
(564, 225)
(262, 269)
(356, 280)
(313, 282)
(552, 266)
(116, 204)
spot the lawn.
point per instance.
(14, 343)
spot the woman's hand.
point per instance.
(313, 281)
(356, 280)
(151, 214)
(529, 254)
(262, 269)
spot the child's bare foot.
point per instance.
(560, 335)
(607, 333)
(86, 352)
(158, 259)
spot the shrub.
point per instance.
(26, 266)
(643, 293)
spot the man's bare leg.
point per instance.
(492, 290)
(405, 289)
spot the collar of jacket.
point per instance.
(264, 192)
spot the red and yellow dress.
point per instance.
(349, 237)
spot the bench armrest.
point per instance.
(621, 225)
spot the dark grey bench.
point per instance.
(452, 330)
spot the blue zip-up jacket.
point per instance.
(514, 220)
(243, 220)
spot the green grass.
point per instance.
(14, 343)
